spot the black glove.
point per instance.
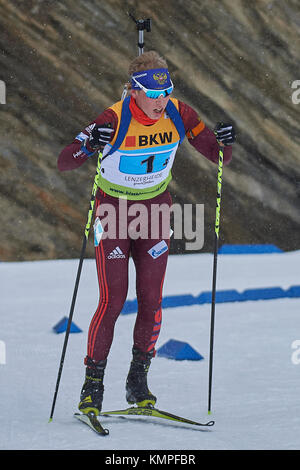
(100, 136)
(225, 133)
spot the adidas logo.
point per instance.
(116, 253)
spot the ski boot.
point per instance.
(137, 391)
(91, 396)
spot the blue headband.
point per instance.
(153, 79)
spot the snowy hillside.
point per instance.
(256, 380)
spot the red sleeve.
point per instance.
(205, 142)
(72, 156)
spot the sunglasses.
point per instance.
(155, 93)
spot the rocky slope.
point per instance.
(63, 62)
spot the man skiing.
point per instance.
(139, 137)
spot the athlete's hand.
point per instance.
(225, 133)
(100, 136)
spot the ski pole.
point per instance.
(84, 243)
(213, 299)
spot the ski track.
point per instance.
(255, 399)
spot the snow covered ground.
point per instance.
(256, 380)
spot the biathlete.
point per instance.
(138, 137)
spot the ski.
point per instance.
(92, 421)
(154, 412)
